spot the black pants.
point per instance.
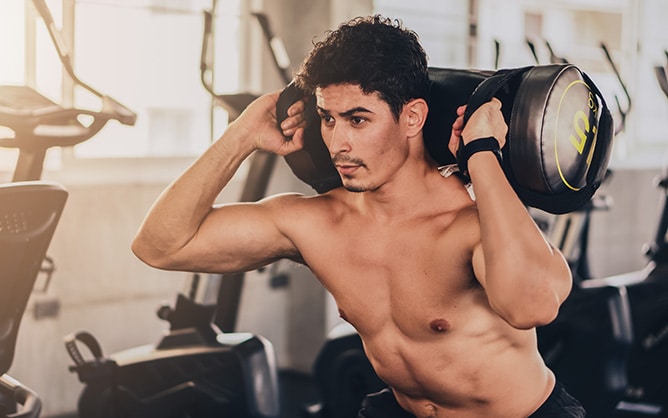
(558, 405)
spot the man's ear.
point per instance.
(416, 114)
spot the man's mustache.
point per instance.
(339, 159)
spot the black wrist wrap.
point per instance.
(477, 145)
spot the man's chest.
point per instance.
(403, 280)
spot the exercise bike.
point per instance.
(30, 208)
(608, 344)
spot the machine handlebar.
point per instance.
(38, 123)
(31, 402)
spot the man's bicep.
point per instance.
(237, 237)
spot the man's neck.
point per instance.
(403, 194)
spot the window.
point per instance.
(12, 26)
(12, 67)
(143, 53)
(441, 25)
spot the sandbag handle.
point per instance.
(483, 93)
(605, 122)
(489, 87)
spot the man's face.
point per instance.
(363, 138)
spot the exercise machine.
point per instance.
(343, 376)
(37, 123)
(29, 213)
(201, 367)
(30, 208)
(235, 103)
(599, 345)
(607, 343)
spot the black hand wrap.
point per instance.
(464, 152)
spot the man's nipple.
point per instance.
(439, 325)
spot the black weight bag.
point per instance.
(560, 131)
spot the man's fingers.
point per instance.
(293, 143)
(292, 124)
(296, 107)
(295, 118)
(298, 139)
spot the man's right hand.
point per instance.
(486, 121)
(259, 126)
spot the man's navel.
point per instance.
(439, 325)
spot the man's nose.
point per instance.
(338, 140)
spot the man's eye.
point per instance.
(326, 118)
(356, 120)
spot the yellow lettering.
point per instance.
(593, 104)
(582, 131)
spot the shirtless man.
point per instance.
(444, 291)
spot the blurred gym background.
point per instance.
(147, 54)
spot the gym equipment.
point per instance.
(615, 329)
(29, 208)
(661, 73)
(38, 123)
(611, 329)
(570, 232)
(559, 140)
(532, 48)
(559, 133)
(552, 56)
(201, 367)
(262, 164)
(497, 53)
(194, 371)
(623, 111)
(235, 103)
(343, 376)
(29, 213)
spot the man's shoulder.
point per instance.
(301, 207)
(299, 199)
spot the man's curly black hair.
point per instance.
(377, 53)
